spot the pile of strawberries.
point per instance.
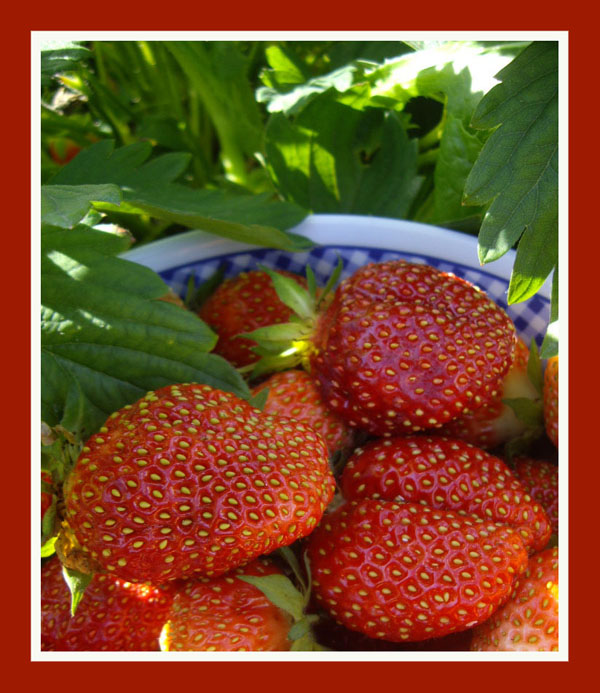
(368, 497)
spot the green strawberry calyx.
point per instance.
(286, 345)
(283, 593)
(527, 409)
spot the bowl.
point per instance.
(357, 240)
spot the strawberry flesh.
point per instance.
(529, 621)
(540, 478)
(225, 614)
(112, 615)
(194, 481)
(294, 394)
(447, 474)
(404, 347)
(406, 572)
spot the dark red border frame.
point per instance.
(288, 676)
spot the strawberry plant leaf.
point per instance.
(332, 281)
(48, 547)
(517, 170)
(528, 411)
(336, 158)
(549, 346)
(106, 339)
(534, 368)
(149, 187)
(292, 294)
(259, 399)
(279, 590)
(302, 628)
(66, 205)
(60, 56)
(77, 583)
(197, 295)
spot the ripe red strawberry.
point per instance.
(540, 478)
(242, 304)
(405, 347)
(408, 572)
(496, 422)
(112, 615)
(293, 393)
(226, 614)
(551, 399)
(529, 621)
(447, 474)
(193, 481)
(401, 347)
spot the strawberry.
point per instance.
(405, 347)
(242, 304)
(226, 614)
(540, 478)
(496, 422)
(551, 399)
(192, 481)
(407, 572)
(529, 621)
(293, 394)
(401, 347)
(112, 615)
(446, 474)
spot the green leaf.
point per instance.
(332, 281)
(280, 591)
(334, 158)
(61, 56)
(534, 368)
(196, 296)
(149, 188)
(302, 628)
(281, 333)
(292, 101)
(293, 295)
(458, 151)
(527, 410)
(550, 344)
(48, 546)
(66, 205)
(106, 340)
(517, 170)
(218, 73)
(259, 399)
(77, 583)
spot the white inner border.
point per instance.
(37, 37)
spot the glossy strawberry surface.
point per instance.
(194, 481)
(496, 422)
(448, 474)
(529, 621)
(551, 399)
(408, 572)
(225, 614)
(404, 347)
(540, 478)
(112, 615)
(293, 393)
(240, 305)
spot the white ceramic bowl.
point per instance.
(357, 240)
